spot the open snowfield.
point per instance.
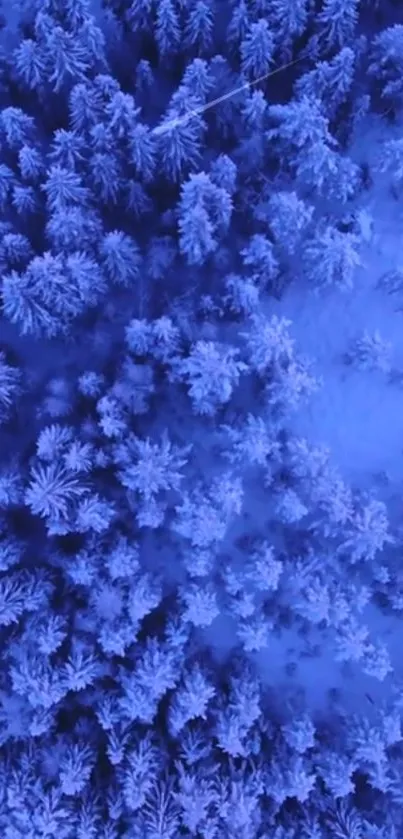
(357, 414)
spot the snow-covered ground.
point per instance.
(358, 415)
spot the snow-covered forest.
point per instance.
(201, 419)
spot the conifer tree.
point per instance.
(257, 50)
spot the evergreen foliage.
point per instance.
(199, 616)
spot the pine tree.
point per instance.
(323, 170)
(198, 78)
(79, 457)
(259, 257)
(143, 152)
(67, 149)
(67, 59)
(268, 342)
(150, 468)
(376, 661)
(139, 336)
(289, 507)
(144, 595)
(121, 112)
(330, 82)
(17, 127)
(15, 251)
(301, 124)
(85, 280)
(254, 631)
(223, 173)
(225, 113)
(31, 163)
(351, 640)
(157, 671)
(336, 771)
(94, 514)
(243, 296)
(166, 339)
(81, 669)
(263, 570)
(238, 26)
(167, 31)
(197, 796)
(31, 64)
(199, 27)
(257, 50)
(144, 77)
(120, 257)
(24, 201)
(289, 386)
(140, 773)
(200, 518)
(160, 258)
(196, 234)
(179, 142)
(85, 106)
(386, 65)
(106, 177)
(136, 200)
(237, 716)
(289, 218)
(207, 205)
(391, 159)
(75, 769)
(200, 602)
(40, 300)
(64, 187)
(367, 532)
(254, 111)
(211, 371)
(14, 591)
(139, 15)
(251, 444)
(53, 441)
(370, 352)
(51, 490)
(91, 37)
(6, 183)
(34, 678)
(289, 20)
(62, 226)
(337, 22)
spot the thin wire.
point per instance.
(173, 123)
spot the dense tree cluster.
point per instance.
(168, 169)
